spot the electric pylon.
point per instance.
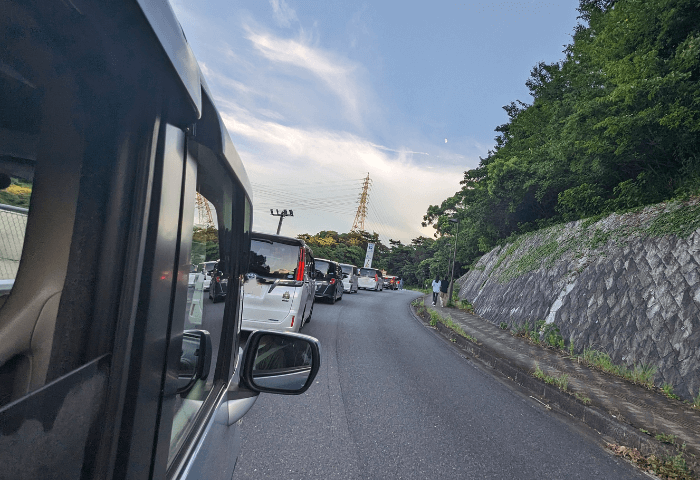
(205, 217)
(359, 223)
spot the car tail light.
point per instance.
(292, 320)
(218, 279)
(300, 267)
(332, 281)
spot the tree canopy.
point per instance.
(614, 126)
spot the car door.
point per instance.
(202, 434)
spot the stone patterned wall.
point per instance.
(608, 285)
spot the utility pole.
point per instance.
(282, 214)
(359, 223)
(454, 256)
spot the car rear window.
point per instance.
(368, 272)
(273, 259)
(322, 266)
(346, 269)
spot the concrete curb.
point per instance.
(602, 422)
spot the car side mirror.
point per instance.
(319, 274)
(284, 363)
(345, 275)
(194, 360)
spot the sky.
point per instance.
(317, 95)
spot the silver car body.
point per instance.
(276, 295)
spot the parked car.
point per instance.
(329, 280)
(218, 283)
(350, 277)
(391, 282)
(279, 290)
(371, 279)
(111, 366)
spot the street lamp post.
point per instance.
(454, 256)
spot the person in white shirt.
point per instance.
(436, 289)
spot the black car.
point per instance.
(219, 283)
(329, 280)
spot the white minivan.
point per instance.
(371, 279)
(351, 275)
(278, 293)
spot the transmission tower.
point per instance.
(205, 217)
(359, 223)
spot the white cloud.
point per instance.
(337, 74)
(284, 15)
(402, 190)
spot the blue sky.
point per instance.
(317, 94)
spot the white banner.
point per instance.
(370, 254)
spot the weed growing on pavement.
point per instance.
(561, 382)
(666, 468)
(642, 374)
(666, 438)
(466, 306)
(667, 388)
(503, 326)
(582, 398)
(435, 317)
(520, 330)
(551, 335)
(696, 400)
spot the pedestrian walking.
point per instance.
(444, 285)
(436, 289)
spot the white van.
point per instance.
(351, 275)
(279, 289)
(371, 279)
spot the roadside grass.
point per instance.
(696, 401)
(667, 389)
(549, 336)
(435, 317)
(561, 382)
(642, 374)
(674, 467)
(424, 291)
(542, 333)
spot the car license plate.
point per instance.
(224, 281)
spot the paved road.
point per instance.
(393, 400)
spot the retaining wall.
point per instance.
(618, 285)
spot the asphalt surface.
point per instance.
(395, 400)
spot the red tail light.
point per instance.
(302, 262)
(332, 282)
(376, 278)
(218, 279)
(292, 321)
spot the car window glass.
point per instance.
(322, 266)
(16, 178)
(273, 259)
(346, 269)
(368, 272)
(206, 294)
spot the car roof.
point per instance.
(278, 238)
(211, 130)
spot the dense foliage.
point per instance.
(614, 126)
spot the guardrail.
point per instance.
(13, 223)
